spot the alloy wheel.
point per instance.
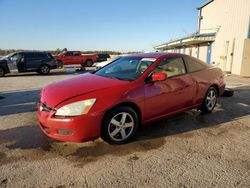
(211, 99)
(45, 69)
(121, 126)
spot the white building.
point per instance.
(223, 36)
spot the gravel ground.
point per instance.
(189, 150)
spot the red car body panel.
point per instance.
(73, 60)
(154, 100)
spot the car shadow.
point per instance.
(228, 109)
(52, 73)
(16, 102)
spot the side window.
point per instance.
(194, 64)
(40, 55)
(172, 67)
(32, 55)
(68, 54)
(16, 57)
(76, 54)
(29, 56)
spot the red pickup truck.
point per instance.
(76, 57)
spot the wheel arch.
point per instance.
(89, 59)
(128, 104)
(44, 64)
(217, 88)
(5, 69)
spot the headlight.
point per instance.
(76, 108)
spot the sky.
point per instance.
(118, 25)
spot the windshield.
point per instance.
(126, 68)
(8, 56)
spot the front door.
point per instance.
(77, 58)
(14, 63)
(68, 58)
(172, 95)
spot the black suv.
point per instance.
(102, 57)
(28, 61)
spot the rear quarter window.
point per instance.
(194, 64)
(34, 56)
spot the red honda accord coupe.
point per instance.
(130, 92)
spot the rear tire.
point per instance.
(89, 63)
(44, 70)
(210, 101)
(1, 72)
(119, 125)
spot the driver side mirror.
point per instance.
(159, 76)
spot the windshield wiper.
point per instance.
(124, 79)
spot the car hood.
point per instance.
(3, 60)
(58, 92)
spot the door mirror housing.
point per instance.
(159, 76)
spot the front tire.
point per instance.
(1, 72)
(210, 101)
(89, 63)
(119, 125)
(44, 70)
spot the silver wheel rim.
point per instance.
(44, 69)
(89, 63)
(211, 99)
(121, 126)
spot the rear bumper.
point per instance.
(71, 129)
(222, 89)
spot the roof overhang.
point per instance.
(193, 40)
(205, 4)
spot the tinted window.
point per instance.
(35, 55)
(103, 55)
(76, 54)
(194, 64)
(29, 55)
(16, 57)
(172, 67)
(68, 54)
(41, 55)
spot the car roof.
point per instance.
(32, 52)
(154, 55)
(73, 51)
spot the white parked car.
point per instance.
(99, 65)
